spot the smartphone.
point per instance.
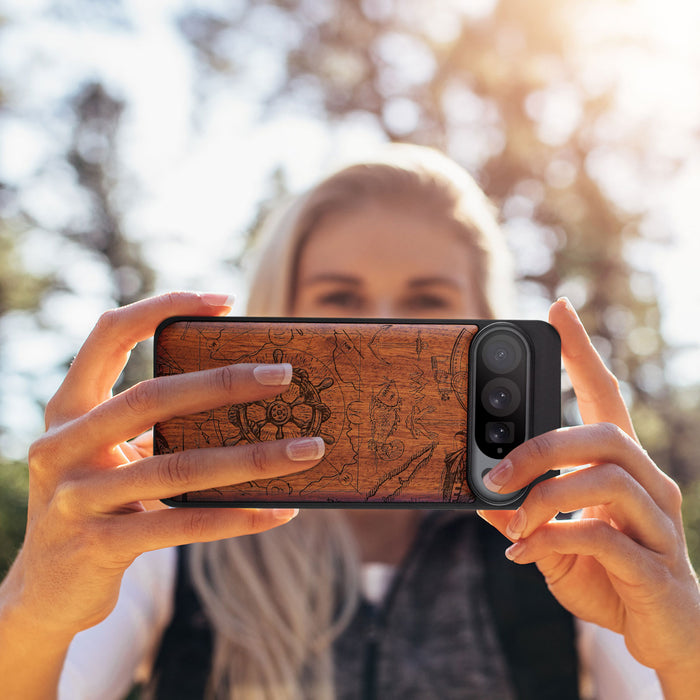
(413, 413)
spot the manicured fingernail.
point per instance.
(499, 476)
(517, 525)
(274, 375)
(285, 514)
(569, 306)
(305, 449)
(218, 299)
(515, 550)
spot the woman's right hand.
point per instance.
(88, 516)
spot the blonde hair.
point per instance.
(277, 600)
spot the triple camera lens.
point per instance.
(503, 360)
(501, 370)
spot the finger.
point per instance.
(145, 404)
(142, 532)
(138, 448)
(105, 352)
(497, 518)
(143, 444)
(606, 486)
(618, 554)
(170, 475)
(596, 388)
(579, 445)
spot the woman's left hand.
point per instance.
(623, 564)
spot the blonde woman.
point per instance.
(354, 604)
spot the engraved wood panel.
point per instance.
(389, 400)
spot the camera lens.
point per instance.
(500, 396)
(499, 432)
(502, 353)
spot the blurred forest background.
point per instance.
(580, 119)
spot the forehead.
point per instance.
(402, 239)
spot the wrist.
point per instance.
(19, 619)
(32, 656)
(682, 681)
(26, 631)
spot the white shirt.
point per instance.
(104, 661)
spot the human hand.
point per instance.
(88, 517)
(624, 563)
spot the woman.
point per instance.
(276, 602)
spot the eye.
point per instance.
(341, 299)
(427, 302)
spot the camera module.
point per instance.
(505, 358)
(500, 389)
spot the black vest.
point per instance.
(417, 645)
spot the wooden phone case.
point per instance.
(390, 400)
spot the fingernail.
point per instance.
(218, 299)
(569, 306)
(285, 514)
(517, 525)
(515, 550)
(499, 476)
(273, 375)
(305, 449)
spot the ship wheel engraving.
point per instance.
(298, 412)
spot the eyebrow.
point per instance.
(333, 277)
(351, 280)
(433, 281)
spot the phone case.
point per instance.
(389, 398)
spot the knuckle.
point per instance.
(601, 533)
(610, 432)
(611, 383)
(673, 538)
(38, 455)
(53, 410)
(674, 495)
(175, 299)
(539, 448)
(141, 397)
(257, 458)
(110, 327)
(107, 322)
(196, 525)
(224, 379)
(617, 478)
(43, 454)
(542, 494)
(67, 498)
(176, 470)
(257, 520)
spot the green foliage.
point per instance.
(691, 521)
(18, 289)
(14, 484)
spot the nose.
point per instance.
(383, 308)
